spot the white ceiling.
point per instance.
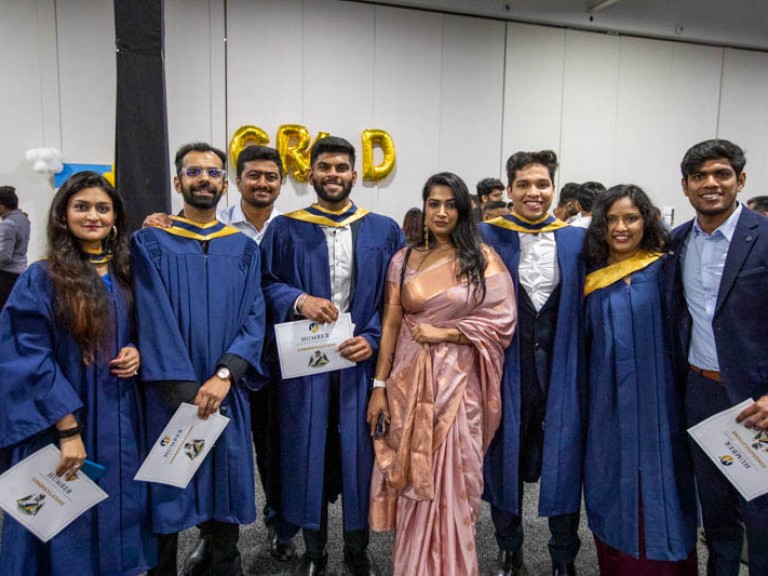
(739, 23)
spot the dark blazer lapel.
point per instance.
(744, 237)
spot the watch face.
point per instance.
(223, 373)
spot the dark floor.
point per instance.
(253, 545)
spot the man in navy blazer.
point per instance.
(717, 298)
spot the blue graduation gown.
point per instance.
(295, 261)
(192, 308)
(42, 379)
(636, 439)
(562, 460)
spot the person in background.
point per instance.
(448, 317)
(412, 226)
(758, 204)
(14, 239)
(638, 485)
(494, 209)
(586, 194)
(567, 207)
(68, 370)
(490, 190)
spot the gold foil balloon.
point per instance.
(384, 141)
(245, 136)
(293, 146)
(110, 176)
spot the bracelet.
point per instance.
(69, 432)
(378, 384)
(300, 302)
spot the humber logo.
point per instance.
(726, 459)
(165, 441)
(314, 327)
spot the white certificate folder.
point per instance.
(738, 452)
(306, 347)
(42, 502)
(181, 447)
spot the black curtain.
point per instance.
(141, 155)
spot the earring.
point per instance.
(426, 236)
(113, 233)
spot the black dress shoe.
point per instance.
(510, 564)
(361, 564)
(309, 566)
(563, 569)
(280, 551)
(199, 560)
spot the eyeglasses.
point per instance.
(196, 172)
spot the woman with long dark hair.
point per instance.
(638, 480)
(412, 225)
(448, 315)
(67, 376)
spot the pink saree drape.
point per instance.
(445, 406)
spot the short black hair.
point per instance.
(520, 160)
(487, 185)
(197, 147)
(8, 197)
(587, 193)
(252, 153)
(494, 205)
(713, 149)
(567, 193)
(332, 144)
(757, 203)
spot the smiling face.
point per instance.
(90, 216)
(531, 191)
(259, 183)
(712, 191)
(333, 176)
(201, 191)
(624, 230)
(440, 212)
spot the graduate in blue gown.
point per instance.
(638, 479)
(300, 281)
(200, 315)
(543, 388)
(67, 376)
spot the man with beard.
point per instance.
(716, 274)
(200, 317)
(325, 260)
(259, 179)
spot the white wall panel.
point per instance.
(88, 78)
(407, 100)
(744, 114)
(668, 101)
(471, 98)
(29, 105)
(590, 86)
(194, 75)
(533, 89)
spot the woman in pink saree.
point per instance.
(449, 314)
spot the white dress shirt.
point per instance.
(234, 216)
(538, 269)
(340, 261)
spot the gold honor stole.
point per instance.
(202, 232)
(317, 215)
(604, 277)
(98, 257)
(519, 224)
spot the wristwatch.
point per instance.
(224, 373)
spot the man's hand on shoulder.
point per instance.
(756, 415)
(157, 220)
